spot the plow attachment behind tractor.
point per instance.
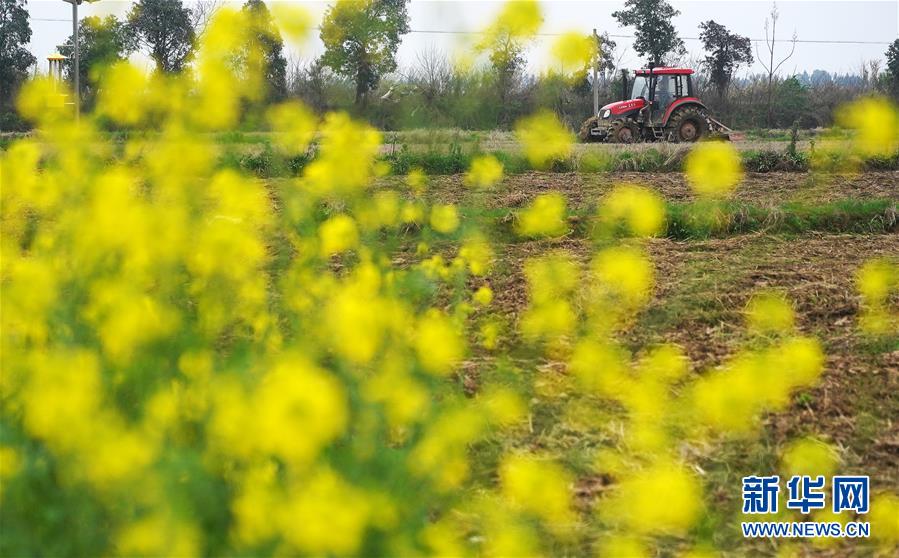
(720, 131)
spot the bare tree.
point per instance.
(770, 43)
(201, 14)
(869, 74)
(432, 74)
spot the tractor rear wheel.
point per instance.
(588, 125)
(622, 131)
(689, 124)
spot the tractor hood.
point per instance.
(621, 107)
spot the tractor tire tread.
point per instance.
(698, 114)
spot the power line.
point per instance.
(614, 36)
(610, 35)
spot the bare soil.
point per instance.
(584, 191)
(702, 288)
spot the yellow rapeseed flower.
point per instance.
(636, 502)
(876, 279)
(123, 96)
(625, 273)
(769, 312)
(876, 123)
(439, 345)
(713, 169)
(444, 218)
(600, 367)
(297, 396)
(545, 216)
(478, 254)
(320, 506)
(483, 296)
(294, 21)
(484, 172)
(808, 456)
(884, 517)
(293, 125)
(639, 209)
(338, 234)
(538, 487)
(417, 180)
(573, 52)
(543, 138)
(517, 20)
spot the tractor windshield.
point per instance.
(641, 87)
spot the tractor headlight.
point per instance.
(606, 113)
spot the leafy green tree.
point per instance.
(15, 60)
(727, 51)
(101, 42)
(893, 68)
(266, 40)
(361, 39)
(792, 103)
(165, 29)
(655, 36)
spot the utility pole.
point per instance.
(77, 77)
(595, 80)
(77, 60)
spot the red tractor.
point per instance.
(659, 106)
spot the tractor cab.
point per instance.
(659, 105)
(661, 87)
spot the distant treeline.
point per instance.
(359, 72)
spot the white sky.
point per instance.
(847, 20)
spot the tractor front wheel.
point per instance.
(689, 124)
(622, 131)
(588, 125)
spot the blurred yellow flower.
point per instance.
(483, 296)
(543, 138)
(444, 218)
(539, 487)
(640, 210)
(769, 312)
(484, 172)
(573, 52)
(293, 21)
(545, 216)
(636, 502)
(876, 279)
(338, 234)
(884, 518)
(600, 367)
(417, 180)
(625, 273)
(439, 345)
(713, 169)
(876, 124)
(517, 20)
(124, 98)
(293, 125)
(297, 396)
(808, 456)
(319, 506)
(478, 254)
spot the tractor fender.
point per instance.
(682, 102)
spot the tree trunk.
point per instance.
(360, 92)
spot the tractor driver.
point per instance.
(664, 96)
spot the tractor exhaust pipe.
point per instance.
(624, 88)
